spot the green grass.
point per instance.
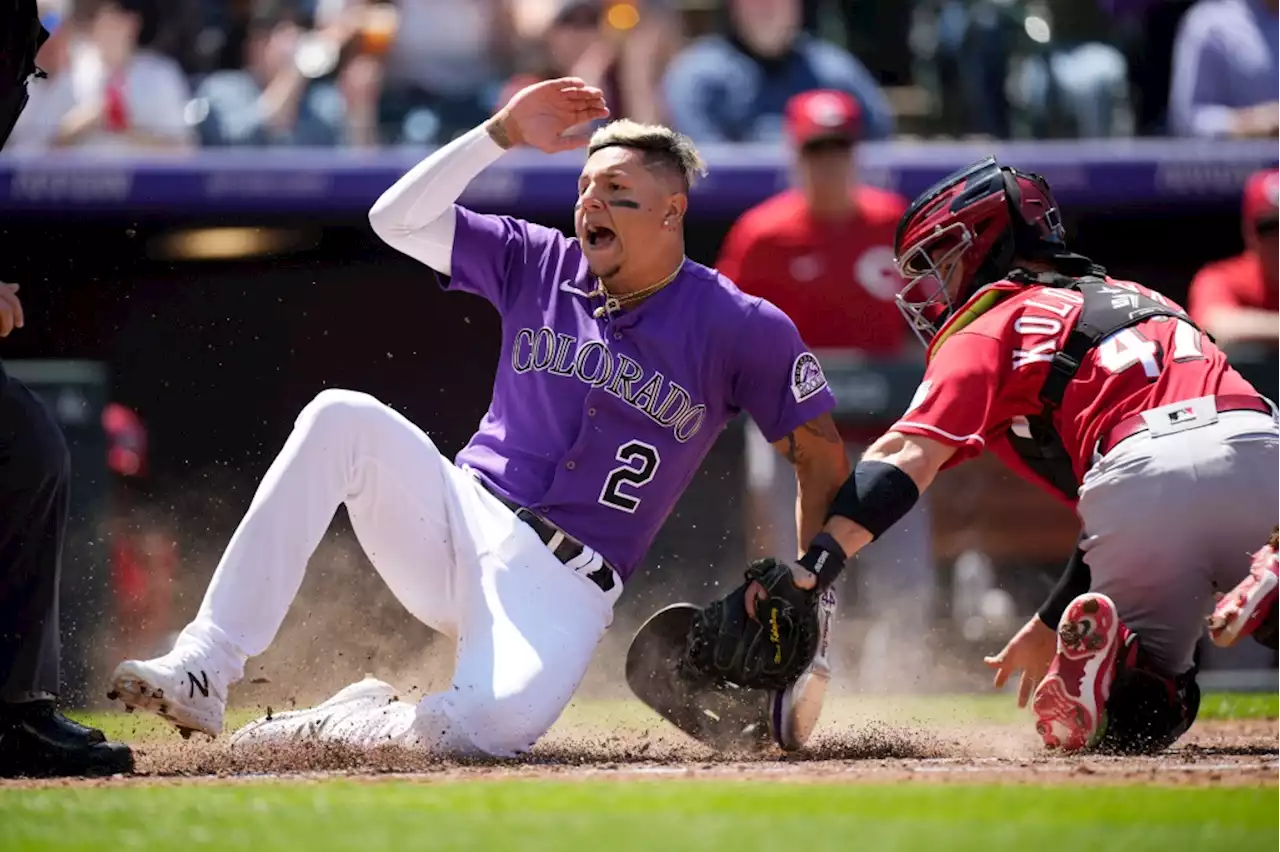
(640, 815)
(657, 813)
(908, 711)
(1240, 705)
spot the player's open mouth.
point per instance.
(600, 237)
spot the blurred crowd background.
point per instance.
(173, 74)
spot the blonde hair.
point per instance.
(661, 146)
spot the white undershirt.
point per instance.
(415, 216)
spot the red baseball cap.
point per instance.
(1261, 199)
(823, 115)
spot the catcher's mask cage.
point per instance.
(964, 233)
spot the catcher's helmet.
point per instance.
(964, 232)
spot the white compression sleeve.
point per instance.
(415, 215)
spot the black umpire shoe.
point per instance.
(38, 741)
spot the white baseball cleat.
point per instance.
(366, 713)
(182, 687)
(794, 711)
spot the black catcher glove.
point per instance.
(769, 652)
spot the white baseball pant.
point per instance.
(458, 559)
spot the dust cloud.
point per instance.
(346, 624)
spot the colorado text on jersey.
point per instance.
(559, 354)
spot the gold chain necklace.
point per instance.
(613, 304)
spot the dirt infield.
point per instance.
(1214, 754)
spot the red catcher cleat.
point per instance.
(1246, 606)
(1071, 702)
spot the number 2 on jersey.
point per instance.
(639, 464)
(1128, 347)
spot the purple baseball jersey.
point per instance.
(598, 424)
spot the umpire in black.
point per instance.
(35, 739)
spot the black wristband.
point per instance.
(1075, 581)
(824, 559)
(875, 497)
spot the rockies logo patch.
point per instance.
(806, 377)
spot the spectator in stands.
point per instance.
(624, 57)
(823, 254)
(1072, 80)
(964, 48)
(114, 93)
(270, 101)
(52, 58)
(442, 71)
(1235, 299)
(734, 87)
(1225, 66)
(1004, 68)
(1146, 30)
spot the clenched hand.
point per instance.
(10, 309)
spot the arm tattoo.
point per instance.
(793, 451)
(498, 132)
(823, 427)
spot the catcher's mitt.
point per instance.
(769, 652)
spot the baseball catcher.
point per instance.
(1106, 394)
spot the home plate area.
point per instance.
(1214, 753)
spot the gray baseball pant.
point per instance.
(1170, 519)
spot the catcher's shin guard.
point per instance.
(1147, 711)
(1102, 692)
(794, 711)
(1250, 608)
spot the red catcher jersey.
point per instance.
(836, 281)
(989, 374)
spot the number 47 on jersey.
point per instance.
(1128, 347)
(1125, 348)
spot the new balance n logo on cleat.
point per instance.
(202, 684)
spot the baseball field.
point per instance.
(935, 772)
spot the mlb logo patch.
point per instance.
(1181, 416)
(807, 377)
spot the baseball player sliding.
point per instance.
(1106, 394)
(621, 362)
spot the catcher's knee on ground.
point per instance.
(1147, 711)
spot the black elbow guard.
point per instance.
(875, 497)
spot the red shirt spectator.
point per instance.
(1235, 299)
(823, 253)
